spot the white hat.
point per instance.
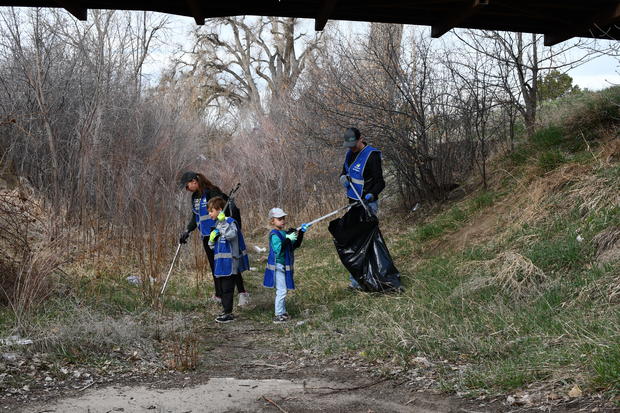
(276, 213)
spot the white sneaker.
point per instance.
(244, 299)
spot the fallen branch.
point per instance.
(87, 386)
(275, 404)
(334, 390)
(270, 366)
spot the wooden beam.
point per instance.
(608, 16)
(196, 10)
(324, 13)
(459, 16)
(80, 13)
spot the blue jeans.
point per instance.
(374, 208)
(280, 302)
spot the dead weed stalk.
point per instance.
(511, 271)
(184, 352)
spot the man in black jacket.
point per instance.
(362, 169)
(361, 174)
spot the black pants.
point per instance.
(227, 287)
(211, 258)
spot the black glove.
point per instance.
(184, 237)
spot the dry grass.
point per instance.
(606, 240)
(610, 149)
(593, 193)
(589, 191)
(605, 290)
(82, 332)
(515, 274)
(531, 203)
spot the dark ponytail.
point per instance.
(205, 185)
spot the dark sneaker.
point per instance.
(286, 316)
(225, 318)
(279, 319)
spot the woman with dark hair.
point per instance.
(202, 190)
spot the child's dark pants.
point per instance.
(211, 257)
(227, 287)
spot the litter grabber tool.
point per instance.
(161, 293)
(329, 215)
(230, 195)
(359, 197)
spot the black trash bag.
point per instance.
(363, 252)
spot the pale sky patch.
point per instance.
(598, 74)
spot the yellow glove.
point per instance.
(214, 234)
(221, 216)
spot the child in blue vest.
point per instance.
(279, 271)
(202, 190)
(230, 255)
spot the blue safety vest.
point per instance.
(222, 254)
(269, 280)
(203, 220)
(356, 169)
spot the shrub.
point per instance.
(519, 156)
(599, 110)
(32, 247)
(550, 160)
(549, 137)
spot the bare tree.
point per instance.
(248, 62)
(143, 34)
(32, 55)
(401, 99)
(522, 60)
(478, 102)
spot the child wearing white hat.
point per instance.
(279, 271)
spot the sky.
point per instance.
(597, 74)
(594, 75)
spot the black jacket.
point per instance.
(195, 203)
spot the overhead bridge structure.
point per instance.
(558, 20)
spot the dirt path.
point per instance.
(244, 369)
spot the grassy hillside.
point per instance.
(510, 286)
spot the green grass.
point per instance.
(551, 159)
(455, 217)
(450, 220)
(482, 200)
(606, 365)
(454, 307)
(451, 311)
(548, 138)
(508, 343)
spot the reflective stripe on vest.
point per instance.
(355, 170)
(203, 220)
(223, 257)
(273, 267)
